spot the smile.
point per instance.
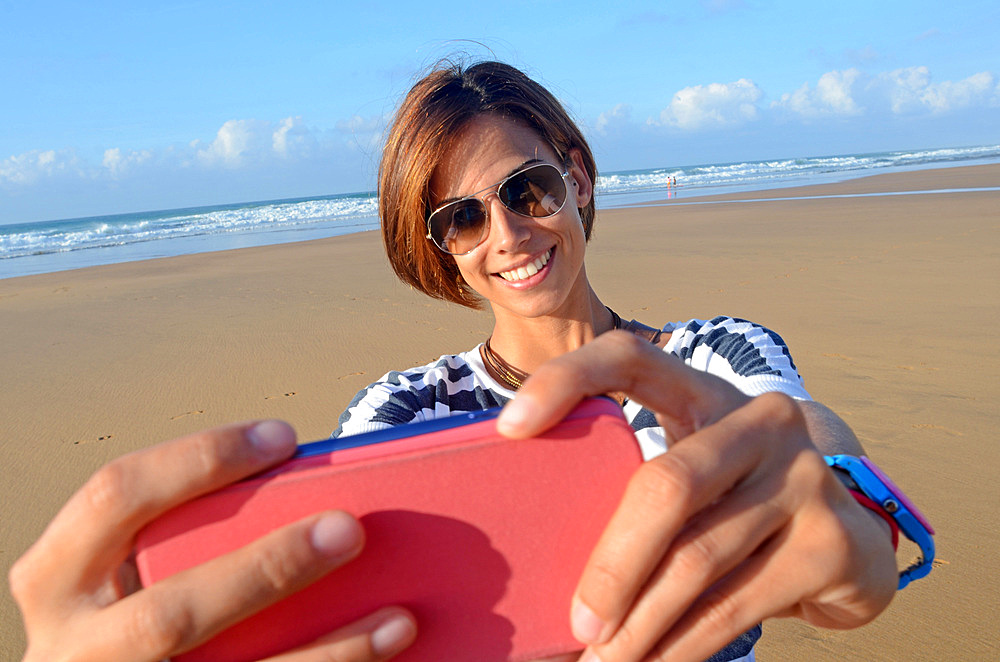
(528, 270)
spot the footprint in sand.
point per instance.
(196, 412)
(283, 395)
(931, 426)
(838, 356)
(352, 374)
(87, 441)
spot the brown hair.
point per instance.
(434, 112)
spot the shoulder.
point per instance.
(451, 383)
(751, 356)
(731, 337)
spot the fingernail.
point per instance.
(393, 635)
(589, 656)
(337, 534)
(272, 438)
(587, 627)
(513, 416)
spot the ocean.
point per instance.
(48, 246)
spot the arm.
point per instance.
(753, 352)
(69, 584)
(830, 434)
(740, 521)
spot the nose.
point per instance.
(508, 230)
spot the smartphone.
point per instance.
(483, 538)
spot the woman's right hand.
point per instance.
(76, 590)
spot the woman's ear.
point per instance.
(580, 182)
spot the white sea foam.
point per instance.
(55, 245)
(764, 174)
(103, 232)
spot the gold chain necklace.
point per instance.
(513, 377)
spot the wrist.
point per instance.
(882, 516)
(865, 502)
(875, 491)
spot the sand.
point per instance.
(890, 305)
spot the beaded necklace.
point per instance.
(513, 377)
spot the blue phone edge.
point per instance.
(323, 446)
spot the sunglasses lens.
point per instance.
(458, 227)
(538, 191)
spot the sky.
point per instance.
(114, 107)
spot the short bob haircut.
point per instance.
(431, 116)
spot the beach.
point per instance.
(889, 304)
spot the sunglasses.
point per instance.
(538, 191)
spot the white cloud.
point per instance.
(902, 88)
(833, 95)
(28, 168)
(292, 139)
(713, 105)
(363, 135)
(982, 88)
(237, 143)
(249, 143)
(357, 124)
(902, 91)
(618, 116)
(119, 164)
(911, 90)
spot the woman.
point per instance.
(486, 191)
(486, 194)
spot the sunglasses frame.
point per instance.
(495, 188)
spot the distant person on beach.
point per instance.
(486, 197)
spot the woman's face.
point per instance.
(486, 151)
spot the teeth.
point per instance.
(527, 270)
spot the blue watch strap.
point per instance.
(878, 487)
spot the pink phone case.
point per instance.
(484, 538)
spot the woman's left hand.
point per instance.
(741, 520)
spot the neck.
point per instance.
(526, 343)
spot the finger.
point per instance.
(190, 607)
(100, 520)
(769, 583)
(803, 557)
(376, 637)
(713, 544)
(618, 361)
(664, 494)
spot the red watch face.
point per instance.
(898, 493)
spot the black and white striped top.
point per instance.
(748, 356)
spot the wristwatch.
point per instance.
(862, 475)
